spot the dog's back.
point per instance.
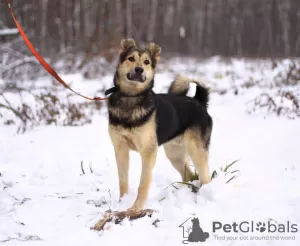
(175, 112)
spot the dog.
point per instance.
(141, 120)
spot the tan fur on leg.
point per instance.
(148, 162)
(146, 144)
(122, 158)
(177, 155)
(198, 153)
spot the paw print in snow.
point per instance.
(261, 227)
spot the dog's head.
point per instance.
(136, 68)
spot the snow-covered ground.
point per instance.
(45, 199)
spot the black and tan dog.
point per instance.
(142, 120)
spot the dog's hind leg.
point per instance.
(198, 152)
(177, 155)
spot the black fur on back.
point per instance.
(174, 114)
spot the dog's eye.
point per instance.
(131, 59)
(146, 62)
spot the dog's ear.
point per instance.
(126, 44)
(154, 51)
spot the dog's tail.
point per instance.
(181, 85)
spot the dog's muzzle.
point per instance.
(137, 74)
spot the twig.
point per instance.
(27, 238)
(190, 185)
(10, 50)
(18, 114)
(21, 202)
(81, 164)
(162, 199)
(229, 165)
(18, 63)
(155, 222)
(91, 169)
(233, 177)
(109, 199)
(214, 174)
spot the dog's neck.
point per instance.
(118, 98)
(130, 111)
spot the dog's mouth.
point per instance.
(136, 77)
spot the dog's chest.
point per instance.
(130, 112)
(130, 143)
(129, 137)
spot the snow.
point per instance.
(45, 199)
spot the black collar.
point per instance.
(111, 90)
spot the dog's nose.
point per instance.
(139, 70)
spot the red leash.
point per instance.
(41, 59)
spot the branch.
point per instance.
(12, 51)
(118, 216)
(19, 63)
(21, 115)
(17, 113)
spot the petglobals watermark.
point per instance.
(252, 226)
(254, 230)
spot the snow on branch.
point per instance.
(9, 31)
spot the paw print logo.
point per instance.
(261, 227)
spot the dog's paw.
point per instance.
(137, 206)
(134, 209)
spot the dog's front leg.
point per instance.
(148, 156)
(122, 159)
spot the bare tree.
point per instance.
(129, 18)
(207, 27)
(152, 20)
